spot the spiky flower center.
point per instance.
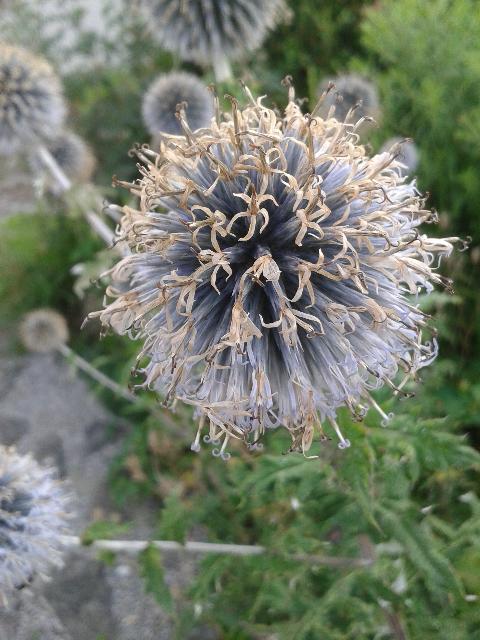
(270, 264)
(17, 90)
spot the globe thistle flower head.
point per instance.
(213, 32)
(31, 102)
(33, 519)
(270, 271)
(349, 96)
(166, 93)
(73, 156)
(43, 330)
(405, 151)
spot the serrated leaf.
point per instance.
(151, 570)
(174, 518)
(421, 550)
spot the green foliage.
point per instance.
(174, 517)
(37, 252)
(426, 58)
(151, 569)
(319, 41)
(103, 530)
(430, 83)
(396, 512)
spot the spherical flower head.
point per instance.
(43, 330)
(32, 108)
(406, 152)
(270, 271)
(350, 91)
(73, 156)
(33, 520)
(211, 31)
(164, 96)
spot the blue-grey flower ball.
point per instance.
(72, 154)
(273, 275)
(33, 519)
(43, 330)
(166, 94)
(210, 32)
(32, 107)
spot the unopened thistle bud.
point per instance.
(43, 330)
(32, 520)
(168, 91)
(213, 32)
(31, 102)
(273, 272)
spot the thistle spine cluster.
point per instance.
(271, 266)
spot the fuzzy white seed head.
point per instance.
(33, 519)
(32, 108)
(43, 330)
(164, 97)
(273, 272)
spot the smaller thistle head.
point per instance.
(31, 102)
(33, 517)
(350, 91)
(166, 93)
(212, 32)
(43, 330)
(73, 156)
(406, 153)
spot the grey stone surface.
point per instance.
(12, 428)
(81, 597)
(47, 409)
(29, 616)
(133, 609)
(47, 394)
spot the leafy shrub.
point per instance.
(426, 57)
(37, 252)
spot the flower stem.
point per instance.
(52, 165)
(221, 68)
(99, 226)
(96, 375)
(65, 184)
(132, 547)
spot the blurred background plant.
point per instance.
(395, 518)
